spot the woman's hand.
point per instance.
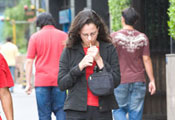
(86, 61)
(94, 52)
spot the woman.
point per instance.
(88, 45)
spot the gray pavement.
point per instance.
(24, 105)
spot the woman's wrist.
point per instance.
(80, 66)
(100, 63)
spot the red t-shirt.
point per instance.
(5, 75)
(92, 100)
(46, 45)
(131, 46)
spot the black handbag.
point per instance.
(101, 83)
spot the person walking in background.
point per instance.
(10, 52)
(46, 46)
(89, 45)
(6, 82)
(134, 58)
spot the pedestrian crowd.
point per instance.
(65, 63)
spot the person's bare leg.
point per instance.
(7, 104)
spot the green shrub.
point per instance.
(171, 22)
(115, 8)
(17, 13)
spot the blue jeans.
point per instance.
(50, 99)
(12, 71)
(130, 98)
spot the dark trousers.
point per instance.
(92, 113)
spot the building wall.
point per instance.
(170, 67)
(100, 6)
(153, 22)
(54, 7)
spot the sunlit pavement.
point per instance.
(24, 105)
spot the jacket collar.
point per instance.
(103, 49)
(79, 47)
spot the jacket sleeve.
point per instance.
(67, 76)
(112, 65)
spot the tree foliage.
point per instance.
(171, 22)
(16, 13)
(115, 8)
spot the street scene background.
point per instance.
(17, 19)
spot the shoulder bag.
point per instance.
(101, 83)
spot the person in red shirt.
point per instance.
(6, 82)
(134, 58)
(46, 46)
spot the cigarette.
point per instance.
(90, 45)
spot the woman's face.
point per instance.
(88, 34)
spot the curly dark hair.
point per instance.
(86, 16)
(45, 19)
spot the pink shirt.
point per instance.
(46, 45)
(131, 46)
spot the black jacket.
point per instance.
(71, 78)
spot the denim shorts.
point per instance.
(130, 98)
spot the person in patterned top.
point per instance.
(134, 59)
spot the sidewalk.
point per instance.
(24, 105)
